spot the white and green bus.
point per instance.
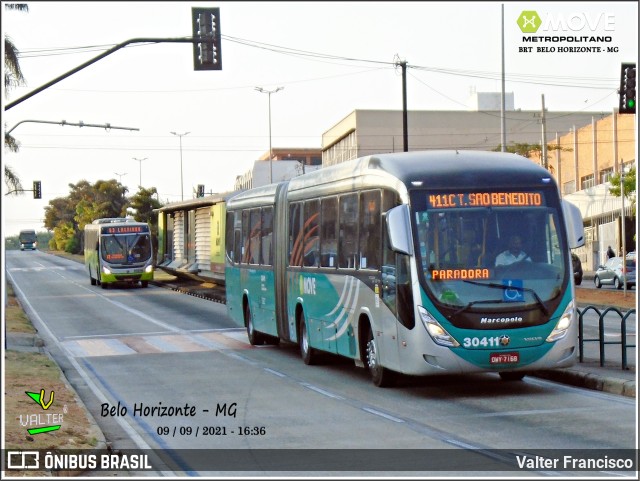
(118, 250)
(390, 260)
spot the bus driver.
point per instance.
(513, 254)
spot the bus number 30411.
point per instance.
(481, 341)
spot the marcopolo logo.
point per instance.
(530, 21)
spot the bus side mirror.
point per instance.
(399, 229)
(574, 225)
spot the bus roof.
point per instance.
(434, 169)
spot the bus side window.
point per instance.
(347, 250)
(370, 226)
(295, 235)
(254, 236)
(228, 241)
(329, 233)
(311, 252)
(266, 252)
(245, 237)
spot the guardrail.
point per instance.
(600, 339)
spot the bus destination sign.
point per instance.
(484, 199)
(125, 229)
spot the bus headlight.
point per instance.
(562, 327)
(148, 269)
(435, 330)
(105, 270)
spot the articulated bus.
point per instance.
(118, 250)
(390, 260)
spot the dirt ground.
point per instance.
(607, 297)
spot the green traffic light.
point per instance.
(631, 103)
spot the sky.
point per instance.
(330, 57)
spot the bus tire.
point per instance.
(512, 376)
(144, 283)
(309, 354)
(255, 338)
(103, 285)
(380, 375)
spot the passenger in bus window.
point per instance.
(513, 254)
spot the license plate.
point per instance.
(504, 358)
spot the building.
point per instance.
(365, 132)
(286, 164)
(582, 162)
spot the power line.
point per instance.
(536, 79)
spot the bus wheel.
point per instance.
(255, 338)
(309, 355)
(103, 285)
(381, 376)
(512, 376)
(144, 283)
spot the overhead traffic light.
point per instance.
(628, 88)
(207, 54)
(200, 190)
(37, 189)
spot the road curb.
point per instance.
(596, 382)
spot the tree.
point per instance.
(629, 187)
(67, 216)
(144, 203)
(12, 77)
(525, 150)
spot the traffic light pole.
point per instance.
(100, 57)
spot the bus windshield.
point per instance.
(477, 251)
(126, 249)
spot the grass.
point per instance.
(31, 372)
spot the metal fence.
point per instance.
(624, 345)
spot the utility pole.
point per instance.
(405, 128)
(503, 121)
(624, 238)
(545, 162)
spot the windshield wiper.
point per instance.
(517, 288)
(485, 301)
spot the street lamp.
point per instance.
(269, 92)
(140, 160)
(181, 182)
(120, 175)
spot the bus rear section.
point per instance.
(118, 250)
(28, 240)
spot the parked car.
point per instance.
(614, 273)
(577, 269)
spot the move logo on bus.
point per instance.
(308, 285)
(42, 422)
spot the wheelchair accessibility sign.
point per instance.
(513, 291)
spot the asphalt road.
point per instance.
(131, 352)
